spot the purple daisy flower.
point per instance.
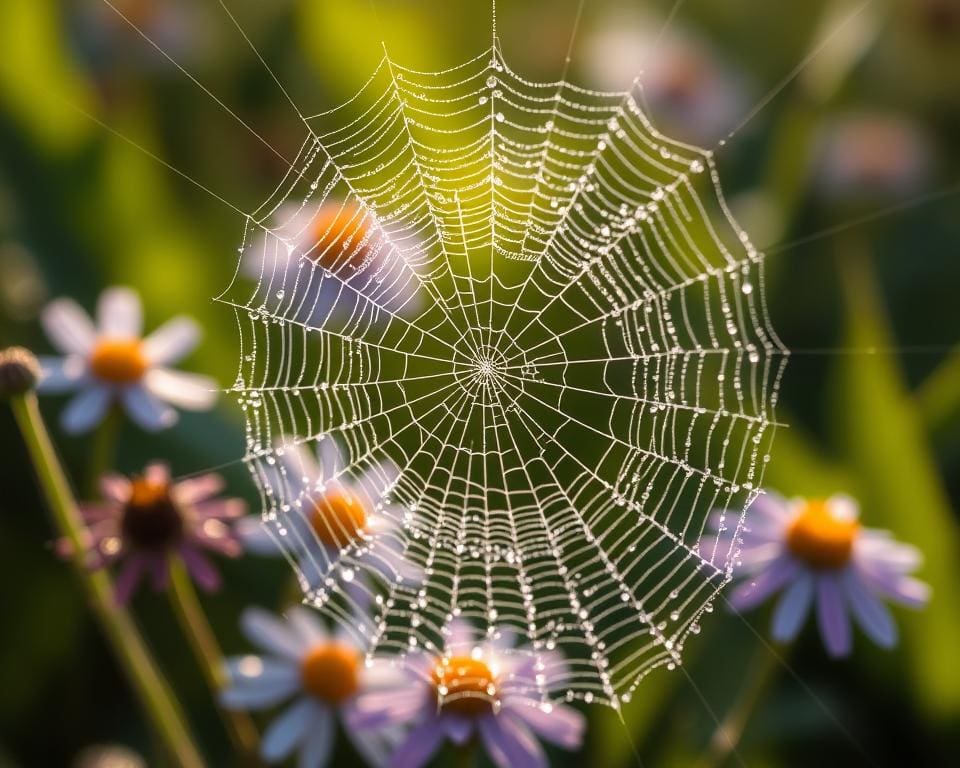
(325, 514)
(691, 93)
(111, 362)
(815, 552)
(324, 673)
(146, 519)
(485, 691)
(865, 156)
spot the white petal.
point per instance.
(843, 507)
(792, 608)
(145, 409)
(307, 625)
(69, 327)
(119, 313)
(297, 458)
(290, 728)
(62, 374)
(330, 458)
(86, 410)
(266, 631)
(172, 341)
(256, 537)
(185, 390)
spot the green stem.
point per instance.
(153, 691)
(729, 731)
(103, 450)
(193, 622)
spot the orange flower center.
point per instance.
(338, 518)
(118, 361)
(819, 538)
(329, 672)
(338, 232)
(150, 518)
(465, 685)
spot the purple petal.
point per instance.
(316, 749)
(871, 614)
(159, 573)
(419, 746)
(458, 729)
(290, 729)
(832, 616)
(221, 509)
(200, 568)
(119, 314)
(172, 341)
(62, 374)
(86, 410)
(510, 743)
(197, 489)
(131, 572)
(561, 725)
(145, 409)
(792, 608)
(750, 593)
(189, 391)
(69, 328)
(905, 590)
(399, 706)
(875, 549)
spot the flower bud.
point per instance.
(19, 371)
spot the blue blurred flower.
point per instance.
(816, 553)
(485, 690)
(112, 362)
(324, 674)
(331, 261)
(328, 514)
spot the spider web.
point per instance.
(540, 346)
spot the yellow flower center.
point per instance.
(118, 361)
(338, 518)
(329, 672)
(338, 232)
(465, 686)
(819, 538)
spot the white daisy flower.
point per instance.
(322, 673)
(329, 259)
(111, 362)
(326, 515)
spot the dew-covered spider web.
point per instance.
(504, 352)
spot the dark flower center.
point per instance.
(150, 518)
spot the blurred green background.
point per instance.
(862, 285)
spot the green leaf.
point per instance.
(881, 429)
(38, 81)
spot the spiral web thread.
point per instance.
(546, 321)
